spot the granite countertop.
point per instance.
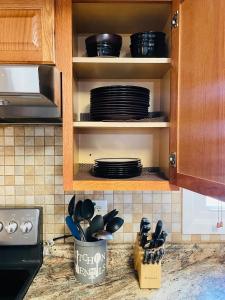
(189, 272)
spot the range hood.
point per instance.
(30, 94)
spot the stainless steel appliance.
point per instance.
(21, 250)
(30, 94)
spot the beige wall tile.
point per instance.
(9, 180)
(29, 141)
(19, 131)
(29, 131)
(39, 141)
(19, 150)
(19, 140)
(29, 170)
(29, 150)
(9, 151)
(9, 131)
(9, 160)
(9, 170)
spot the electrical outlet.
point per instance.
(100, 207)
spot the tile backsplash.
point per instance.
(31, 174)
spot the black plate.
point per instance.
(116, 110)
(120, 105)
(118, 117)
(120, 94)
(120, 88)
(119, 98)
(115, 176)
(118, 160)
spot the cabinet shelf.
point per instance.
(85, 181)
(120, 67)
(120, 124)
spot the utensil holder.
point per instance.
(149, 275)
(90, 259)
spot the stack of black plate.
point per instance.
(118, 102)
(116, 168)
(148, 44)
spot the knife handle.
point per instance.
(158, 230)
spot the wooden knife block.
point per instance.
(149, 275)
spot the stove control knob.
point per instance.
(11, 227)
(1, 226)
(26, 227)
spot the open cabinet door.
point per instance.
(198, 89)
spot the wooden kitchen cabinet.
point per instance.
(188, 87)
(27, 31)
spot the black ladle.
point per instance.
(114, 224)
(87, 210)
(77, 217)
(96, 224)
(109, 216)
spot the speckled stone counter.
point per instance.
(189, 272)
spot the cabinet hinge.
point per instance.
(173, 159)
(175, 20)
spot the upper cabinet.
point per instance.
(200, 103)
(188, 86)
(27, 31)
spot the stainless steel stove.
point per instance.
(21, 250)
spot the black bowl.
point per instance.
(151, 35)
(148, 51)
(104, 44)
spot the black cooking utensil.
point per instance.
(96, 224)
(109, 216)
(71, 206)
(114, 224)
(87, 209)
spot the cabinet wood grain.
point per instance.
(27, 31)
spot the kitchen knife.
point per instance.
(144, 239)
(145, 229)
(158, 230)
(145, 259)
(144, 220)
(73, 228)
(159, 242)
(163, 235)
(149, 256)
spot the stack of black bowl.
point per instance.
(116, 168)
(104, 44)
(118, 102)
(148, 44)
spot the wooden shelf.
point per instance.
(85, 181)
(120, 67)
(120, 124)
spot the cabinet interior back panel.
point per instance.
(120, 17)
(99, 143)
